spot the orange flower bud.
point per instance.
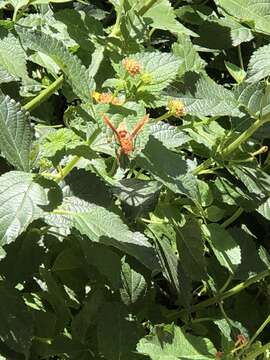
(105, 98)
(132, 66)
(176, 107)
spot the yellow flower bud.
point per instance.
(176, 108)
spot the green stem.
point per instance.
(164, 116)
(67, 169)
(240, 57)
(231, 219)
(203, 166)
(220, 297)
(258, 352)
(44, 94)
(257, 333)
(116, 29)
(244, 136)
(145, 8)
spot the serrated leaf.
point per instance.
(235, 71)
(133, 284)
(5, 76)
(161, 68)
(170, 136)
(12, 56)
(20, 203)
(203, 97)
(102, 225)
(259, 64)
(254, 12)
(170, 342)
(75, 71)
(167, 167)
(264, 209)
(15, 133)
(226, 250)
(256, 180)
(162, 15)
(16, 326)
(185, 51)
(117, 332)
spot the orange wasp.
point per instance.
(124, 138)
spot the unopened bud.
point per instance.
(176, 107)
(132, 66)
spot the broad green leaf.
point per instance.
(102, 225)
(252, 12)
(161, 14)
(167, 167)
(264, 209)
(117, 332)
(191, 250)
(203, 97)
(238, 32)
(170, 136)
(159, 68)
(12, 56)
(75, 71)
(185, 51)
(170, 342)
(256, 180)
(5, 76)
(259, 64)
(138, 197)
(133, 284)
(16, 325)
(21, 201)
(226, 250)
(254, 97)
(15, 133)
(235, 71)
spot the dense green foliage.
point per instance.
(158, 252)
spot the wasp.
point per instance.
(124, 138)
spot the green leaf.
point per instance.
(167, 167)
(170, 136)
(5, 76)
(102, 225)
(133, 284)
(253, 12)
(15, 133)
(226, 250)
(12, 56)
(16, 325)
(160, 68)
(235, 71)
(203, 97)
(170, 342)
(191, 250)
(185, 51)
(82, 84)
(26, 196)
(264, 209)
(118, 333)
(256, 180)
(259, 64)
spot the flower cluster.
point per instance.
(132, 66)
(105, 98)
(176, 108)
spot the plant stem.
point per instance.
(244, 136)
(240, 57)
(165, 116)
(220, 297)
(67, 169)
(203, 166)
(44, 94)
(257, 333)
(145, 8)
(231, 219)
(258, 352)
(116, 29)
